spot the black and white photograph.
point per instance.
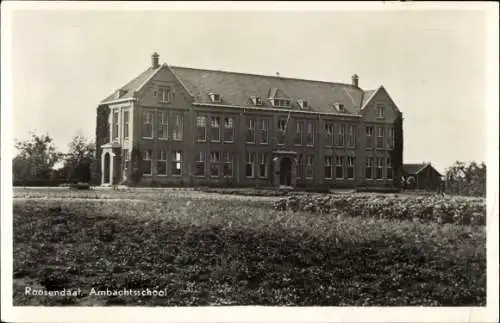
(253, 161)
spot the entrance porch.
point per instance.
(284, 168)
(111, 164)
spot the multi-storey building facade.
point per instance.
(204, 127)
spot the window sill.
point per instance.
(250, 143)
(229, 141)
(228, 176)
(162, 175)
(175, 175)
(163, 138)
(201, 140)
(148, 138)
(216, 141)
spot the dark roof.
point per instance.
(413, 169)
(237, 88)
(132, 86)
(367, 95)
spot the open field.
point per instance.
(214, 249)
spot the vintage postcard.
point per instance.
(249, 161)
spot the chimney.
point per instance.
(155, 60)
(355, 80)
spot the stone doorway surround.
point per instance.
(111, 165)
(278, 157)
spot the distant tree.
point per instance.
(79, 159)
(466, 179)
(35, 158)
(397, 152)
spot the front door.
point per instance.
(285, 171)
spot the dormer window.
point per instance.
(380, 111)
(340, 107)
(303, 104)
(214, 97)
(257, 100)
(120, 93)
(283, 103)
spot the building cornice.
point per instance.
(276, 110)
(119, 101)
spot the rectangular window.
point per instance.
(177, 162)
(228, 164)
(339, 167)
(309, 166)
(369, 168)
(264, 131)
(199, 164)
(380, 137)
(391, 137)
(147, 124)
(163, 125)
(164, 94)
(250, 165)
(300, 166)
(115, 125)
(178, 127)
(328, 167)
(380, 167)
(201, 128)
(161, 162)
(126, 160)
(215, 128)
(341, 135)
(328, 133)
(389, 168)
(146, 163)
(263, 165)
(250, 131)
(350, 167)
(299, 132)
(369, 137)
(380, 111)
(281, 131)
(126, 120)
(309, 133)
(228, 129)
(215, 164)
(351, 136)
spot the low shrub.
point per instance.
(441, 209)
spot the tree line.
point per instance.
(467, 179)
(37, 160)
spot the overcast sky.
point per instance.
(431, 62)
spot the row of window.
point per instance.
(304, 134)
(257, 165)
(213, 124)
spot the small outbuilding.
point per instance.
(421, 177)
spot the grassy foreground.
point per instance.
(228, 252)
